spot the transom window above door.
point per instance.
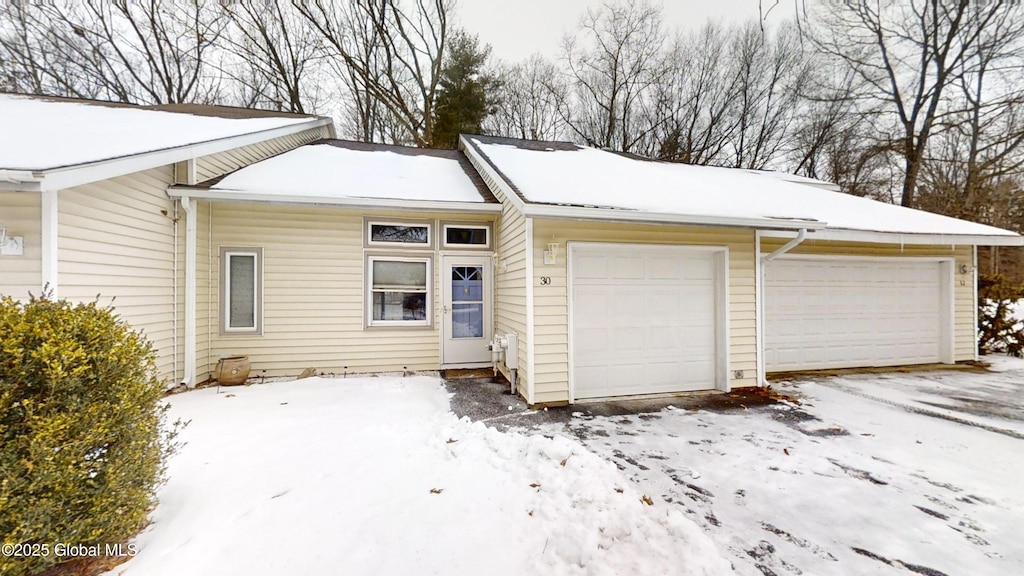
(466, 236)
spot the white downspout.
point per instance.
(175, 307)
(800, 236)
(189, 376)
(49, 242)
(759, 288)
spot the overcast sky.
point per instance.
(517, 28)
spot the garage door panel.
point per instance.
(851, 314)
(656, 312)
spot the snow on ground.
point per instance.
(53, 133)
(323, 476)
(842, 484)
(328, 171)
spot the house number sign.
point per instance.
(545, 280)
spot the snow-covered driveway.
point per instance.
(882, 474)
(375, 476)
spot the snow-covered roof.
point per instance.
(621, 187)
(49, 133)
(340, 172)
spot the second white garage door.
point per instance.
(839, 313)
(645, 319)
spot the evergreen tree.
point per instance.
(465, 90)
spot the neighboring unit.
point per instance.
(225, 232)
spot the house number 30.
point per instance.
(545, 280)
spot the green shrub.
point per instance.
(82, 440)
(998, 330)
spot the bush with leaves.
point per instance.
(998, 329)
(82, 435)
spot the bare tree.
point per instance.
(769, 70)
(277, 56)
(143, 51)
(530, 95)
(393, 55)
(613, 63)
(908, 55)
(693, 119)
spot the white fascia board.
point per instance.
(68, 177)
(485, 168)
(289, 199)
(583, 213)
(902, 238)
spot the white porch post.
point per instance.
(48, 232)
(189, 373)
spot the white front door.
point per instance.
(465, 310)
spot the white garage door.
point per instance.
(853, 313)
(644, 319)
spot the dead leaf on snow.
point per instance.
(647, 500)
(562, 463)
(436, 490)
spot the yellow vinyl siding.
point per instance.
(21, 213)
(510, 285)
(964, 332)
(222, 163)
(116, 240)
(313, 293)
(551, 311)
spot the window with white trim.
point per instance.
(241, 290)
(400, 291)
(399, 234)
(466, 236)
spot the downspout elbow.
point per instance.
(800, 237)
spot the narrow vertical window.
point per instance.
(241, 298)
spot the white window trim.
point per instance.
(474, 226)
(428, 321)
(225, 309)
(371, 243)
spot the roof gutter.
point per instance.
(901, 238)
(20, 180)
(288, 199)
(79, 174)
(619, 215)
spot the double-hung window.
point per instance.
(241, 290)
(399, 291)
(399, 277)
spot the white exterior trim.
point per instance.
(760, 377)
(616, 215)
(901, 238)
(70, 176)
(974, 301)
(49, 239)
(530, 367)
(189, 371)
(722, 350)
(292, 200)
(485, 168)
